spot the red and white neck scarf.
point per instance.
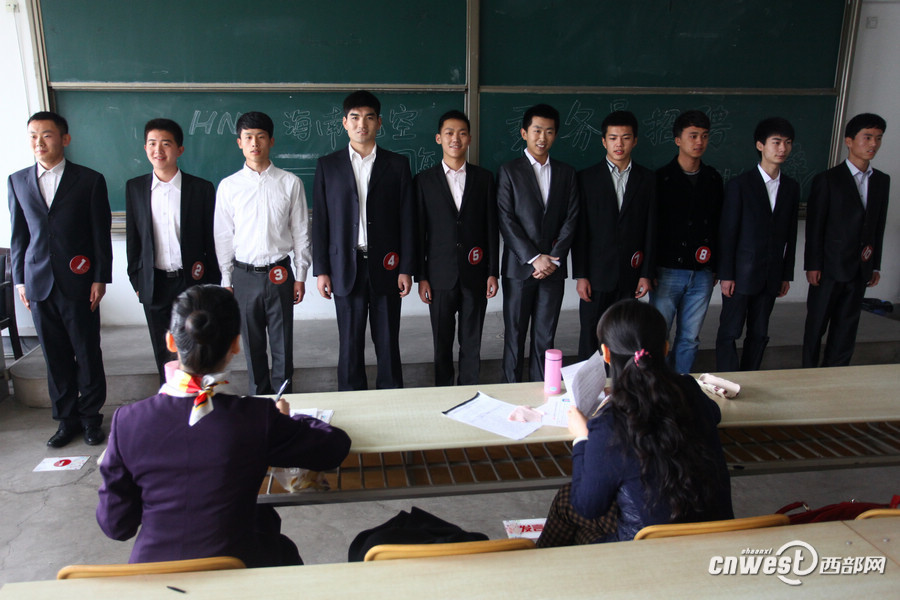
(201, 387)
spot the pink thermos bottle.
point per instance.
(553, 372)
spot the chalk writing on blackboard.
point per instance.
(204, 121)
(578, 129)
(298, 124)
(331, 126)
(403, 120)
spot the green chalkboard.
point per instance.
(107, 130)
(731, 148)
(661, 43)
(197, 41)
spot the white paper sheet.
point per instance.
(61, 463)
(585, 382)
(556, 411)
(322, 415)
(524, 528)
(490, 414)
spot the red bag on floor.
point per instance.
(842, 511)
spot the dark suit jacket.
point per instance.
(198, 203)
(391, 214)
(839, 229)
(461, 245)
(756, 244)
(614, 248)
(45, 241)
(528, 228)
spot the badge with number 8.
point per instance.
(278, 275)
(702, 255)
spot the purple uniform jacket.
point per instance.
(192, 490)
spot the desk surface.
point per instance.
(411, 419)
(673, 567)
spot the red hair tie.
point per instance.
(639, 355)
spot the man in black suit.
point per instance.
(537, 206)
(61, 256)
(757, 239)
(168, 232)
(458, 249)
(613, 254)
(845, 222)
(364, 230)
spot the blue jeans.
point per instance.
(686, 293)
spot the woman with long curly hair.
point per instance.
(651, 454)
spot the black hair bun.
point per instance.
(201, 326)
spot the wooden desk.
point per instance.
(814, 396)
(664, 568)
(403, 447)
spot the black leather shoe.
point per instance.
(62, 437)
(93, 435)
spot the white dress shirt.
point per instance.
(542, 173)
(165, 210)
(260, 218)
(771, 186)
(620, 180)
(862, 181)
(457, 182)
(362, 172)
(48, 180)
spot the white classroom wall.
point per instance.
(875, 85)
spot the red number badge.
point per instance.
(278, 275)
(636, 259)
(197, 271)
(391, 261)
(702, 255)
(475, 255)
(80, 264)
(867, 253)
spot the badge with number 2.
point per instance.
(197, 271)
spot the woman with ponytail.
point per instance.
(652, 452)
(186, 464)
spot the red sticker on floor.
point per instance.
(62, 462)
(636, 259)
(867, 253)
(391, 261)
(80, 264)
(702, 255)
(278, 275)
(475, 255)
(197, 271)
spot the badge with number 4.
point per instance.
(391, 261)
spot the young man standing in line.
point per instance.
(458, 250)
(689, 202)
(757, 240)
(261, 217)
(537, 205)
(61, 258)
(168, 232)
(364, 237)
(845, 221)
(612, 257)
